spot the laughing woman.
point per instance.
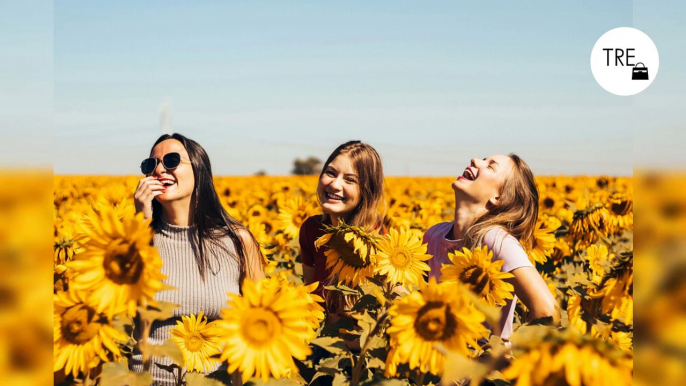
(206, 253)
(496, 205)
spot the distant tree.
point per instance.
(260, 172)
(311, 165)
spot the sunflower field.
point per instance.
(398, 328)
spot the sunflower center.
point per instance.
(123, 263)
(260, 326)
(194, 341)
(476, 277)
(78, 325)
(400, 259)
(346, 251)
(622, 208)
(435, 322)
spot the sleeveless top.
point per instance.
(176, 246)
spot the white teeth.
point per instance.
(167, 182)
(333, 196)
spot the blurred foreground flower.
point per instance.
(117, 265)
(546, 356)
(437, 313)
(82, 336)
(263, 330)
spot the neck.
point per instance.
(465, 216)
(177, 213)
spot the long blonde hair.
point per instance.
(516, 212)
(367, 164)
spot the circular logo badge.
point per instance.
(624, 61)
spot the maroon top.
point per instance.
(310, 231)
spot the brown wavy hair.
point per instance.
(368, 214)
(516, 212)
(367, 164)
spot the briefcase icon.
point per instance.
(639, 73)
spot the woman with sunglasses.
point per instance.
(206, 252)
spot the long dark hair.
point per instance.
(206, 211)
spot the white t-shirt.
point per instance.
(504, 247)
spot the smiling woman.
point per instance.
(350, 189)
(206, 253)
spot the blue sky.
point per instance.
(430, 85)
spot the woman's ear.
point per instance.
(493, 202)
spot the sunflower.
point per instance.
(437, 313)
(621, 206)
(596, 255)
(67, 244)
(480, 273)
(544, 239)
(293, 213)
(401, 257)
(590, 225)
(263, 330)
(82, 336)
(616, 288)
(567, 358)
(351, 252)
(118, 264)
(198, 342)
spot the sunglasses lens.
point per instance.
(171, 160)
(148, 165)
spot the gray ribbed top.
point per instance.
(176, 245)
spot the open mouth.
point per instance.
(469, 174)
(333, 197)
(167, 182)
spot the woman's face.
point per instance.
(180, 181)
(483, 179)
(338, 189)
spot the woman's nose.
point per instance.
(475, 162)
(336, 183)
(159, 169)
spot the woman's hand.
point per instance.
(147, 189)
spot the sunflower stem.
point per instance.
(357, 370)
(420, 378)
(144, 346)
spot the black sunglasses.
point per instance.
(169, 161)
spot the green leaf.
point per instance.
(376, 363)
(197, 379)
(343, 289)
(333, 345)
(366, 301)
(117, 374)
(375, 281)
(340, 380)
(458, 367)
(164, 310)
(167, 349)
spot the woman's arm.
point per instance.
(532, 290)
(528, 284)
(306, 254)
(254, 262)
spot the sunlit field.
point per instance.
(427, 332)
